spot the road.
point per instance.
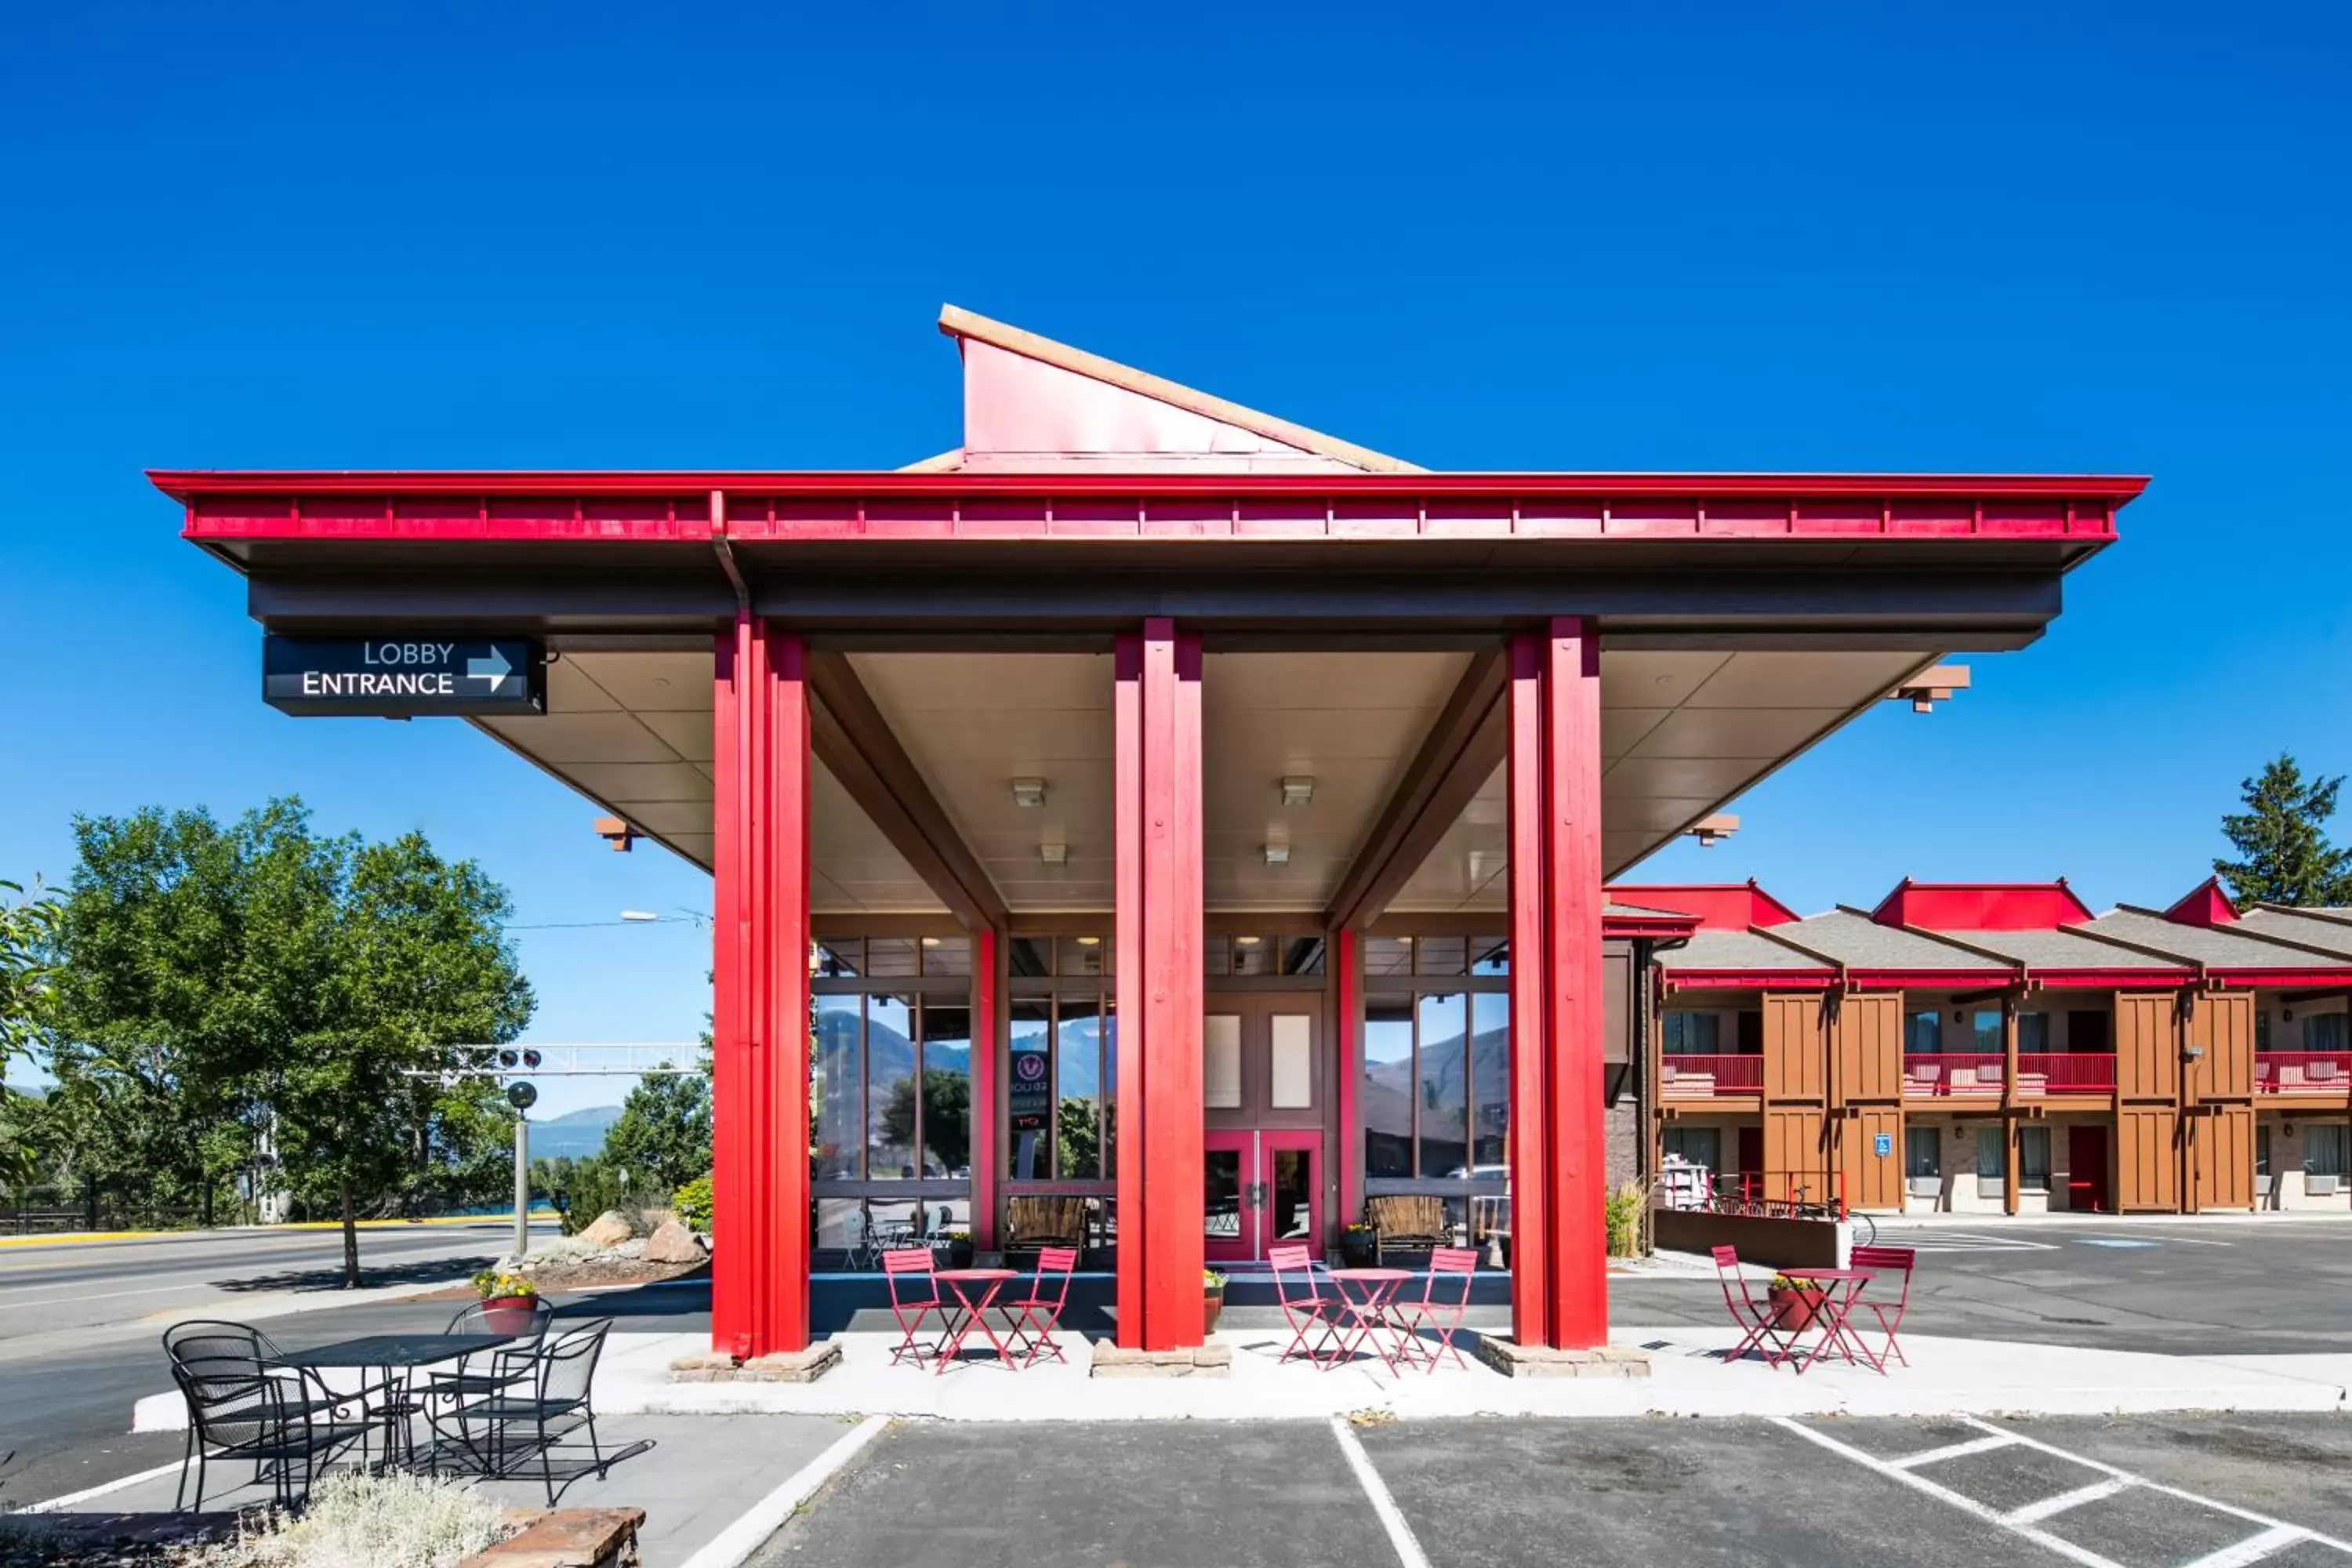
(78, 1322)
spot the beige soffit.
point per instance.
(957, 322)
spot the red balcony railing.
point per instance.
(2303, 1072)
(1953, 1073)
(1698, 1077)
(2066, 1072)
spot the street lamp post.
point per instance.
(522, 1096)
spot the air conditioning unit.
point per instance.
(2319, 1186)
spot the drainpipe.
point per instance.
(724, 549)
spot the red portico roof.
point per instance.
(1981, 906)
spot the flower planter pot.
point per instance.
(508, 1315)
(1793, 1309)
(1212, 1303)
(1359, 1248)
(959, 1254)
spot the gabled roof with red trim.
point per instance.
(1981, 906)
(2203, 905)
(1719, 906)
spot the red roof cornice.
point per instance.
(185, 484)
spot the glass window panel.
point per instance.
(2033, 1159)
(2263, 1029)
(1082, 955)
(1441, 956)
(1029, 955)
(1443, 1081)
(1220, 1067)
(2323, 1031)
(1386, 1093)
(1922, 1154)
(2262, 1152)
(892, 957)
(1216, 955)
(890, 1114)
(1990, 1155)
(1292, 1055)
(1078, 1089)
(1490, 955)
(1490, 1082)
(1255, 955)
(1290, 1196)
(1029, 1091)
(833, 1087)
(2326, 1149)
(947, 1090)
(1302, 955)
(1695, 1145)
(1923, 1034)
(840, 1223)
(1220, 1195)
(1387, 955)
(1691, 1033)
(1986, 1024)
(837, 957)
(1111, 1088)
(2033, 1032)
(947, 955)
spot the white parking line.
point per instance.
(764, 1518)
(2253, 1549)
(2034, 1512)
(1384, 1507)
(70, 1499)
(1953, 1451)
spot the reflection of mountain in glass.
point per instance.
(1387, 1095)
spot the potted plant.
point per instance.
(959, 1249)
(1359, 1245)
(1795, 1301)
(1213, 1298)
(508, 1299)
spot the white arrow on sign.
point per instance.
(492, 669)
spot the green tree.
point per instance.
(1074, 1130)
(946, 1117)
(662, 1137)
(2285, 856)
(27, 926)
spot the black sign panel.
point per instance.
(404, 675)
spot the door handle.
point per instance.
(1256, 1194)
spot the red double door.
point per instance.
(1260, 1190)
(1262, 1148)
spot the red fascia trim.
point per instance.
(1928, 979)
(2111, 979)
(2247, 979)
(1614, 926)
(1750, 980)
(183, 484)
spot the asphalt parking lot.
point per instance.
(2209, 1492)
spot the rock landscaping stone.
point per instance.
(782, 1366)
(1197, 1360)
(673, 1243)
(568, 1538)
(607, 1229)
(1513, 1358)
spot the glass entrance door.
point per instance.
(1260, 1189)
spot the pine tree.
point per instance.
(2286, 858)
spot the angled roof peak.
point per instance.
(2203, 905)
(1032, 404)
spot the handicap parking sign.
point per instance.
(1881, 1144)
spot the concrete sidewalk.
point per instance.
(1946, 1376)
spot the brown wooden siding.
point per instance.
(2148, 1158)
(1865, 1039)
(1871, 1182)
(2221, 1149)
(1792, 1049)
(1794, 1164)
(2147, 1046)
(2221, 1028)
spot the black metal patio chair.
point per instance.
(551, 1401)
(487, 1372)
(247, 1404)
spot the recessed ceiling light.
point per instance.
(1299, 789)
(1246, 942)
(1405, 942)
(1277, 854)
(1054, 854)
(1089, 942)
(1028, 793)
(930, 942)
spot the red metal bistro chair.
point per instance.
(1759, 1320)
(1309, 1308)
(911, 1302)
(1456, 1266)
(1886, 1260)
(1038, 1315)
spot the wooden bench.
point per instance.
(1031, 1223)
(1415, 1224)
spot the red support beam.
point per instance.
(987, 1091)
(759, 1271)
(1346, 957)
(1156, 721)
(1559, 1287)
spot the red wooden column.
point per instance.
(760, 1033)
(987, 1083)
(1559, 1293)
(1344, 953)
(1156, 728)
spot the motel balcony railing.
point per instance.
(1961, 1074)
(2303, 1072)
(1703, 1077)
(1956, 1073)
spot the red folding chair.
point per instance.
(1308, 1309)
(1761, 1320)
(1038, 1315)
(902, 1264)
(1456, 1266)
(1886, 1260)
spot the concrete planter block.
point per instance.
(804, 1365)
(568, 1538)
(1512, 1359)
(1197, 1360)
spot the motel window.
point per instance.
(1697, 1145)
(1692, 1034)
(2323, 1031)
(1922, 1156)
(2326, 1149)
(1923, 1034)
(1058, 1090)
(2263, 1152)
(1991, 1162)
(2261, 1028)
(1985, 1025)
(1435, 1094)
(2033, 1159)
(2033, 1032)
(890, 1079)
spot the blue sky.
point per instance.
(2010, 237)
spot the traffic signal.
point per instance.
(530, 1058)
(507, 1059)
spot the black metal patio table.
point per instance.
(398, 1356)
